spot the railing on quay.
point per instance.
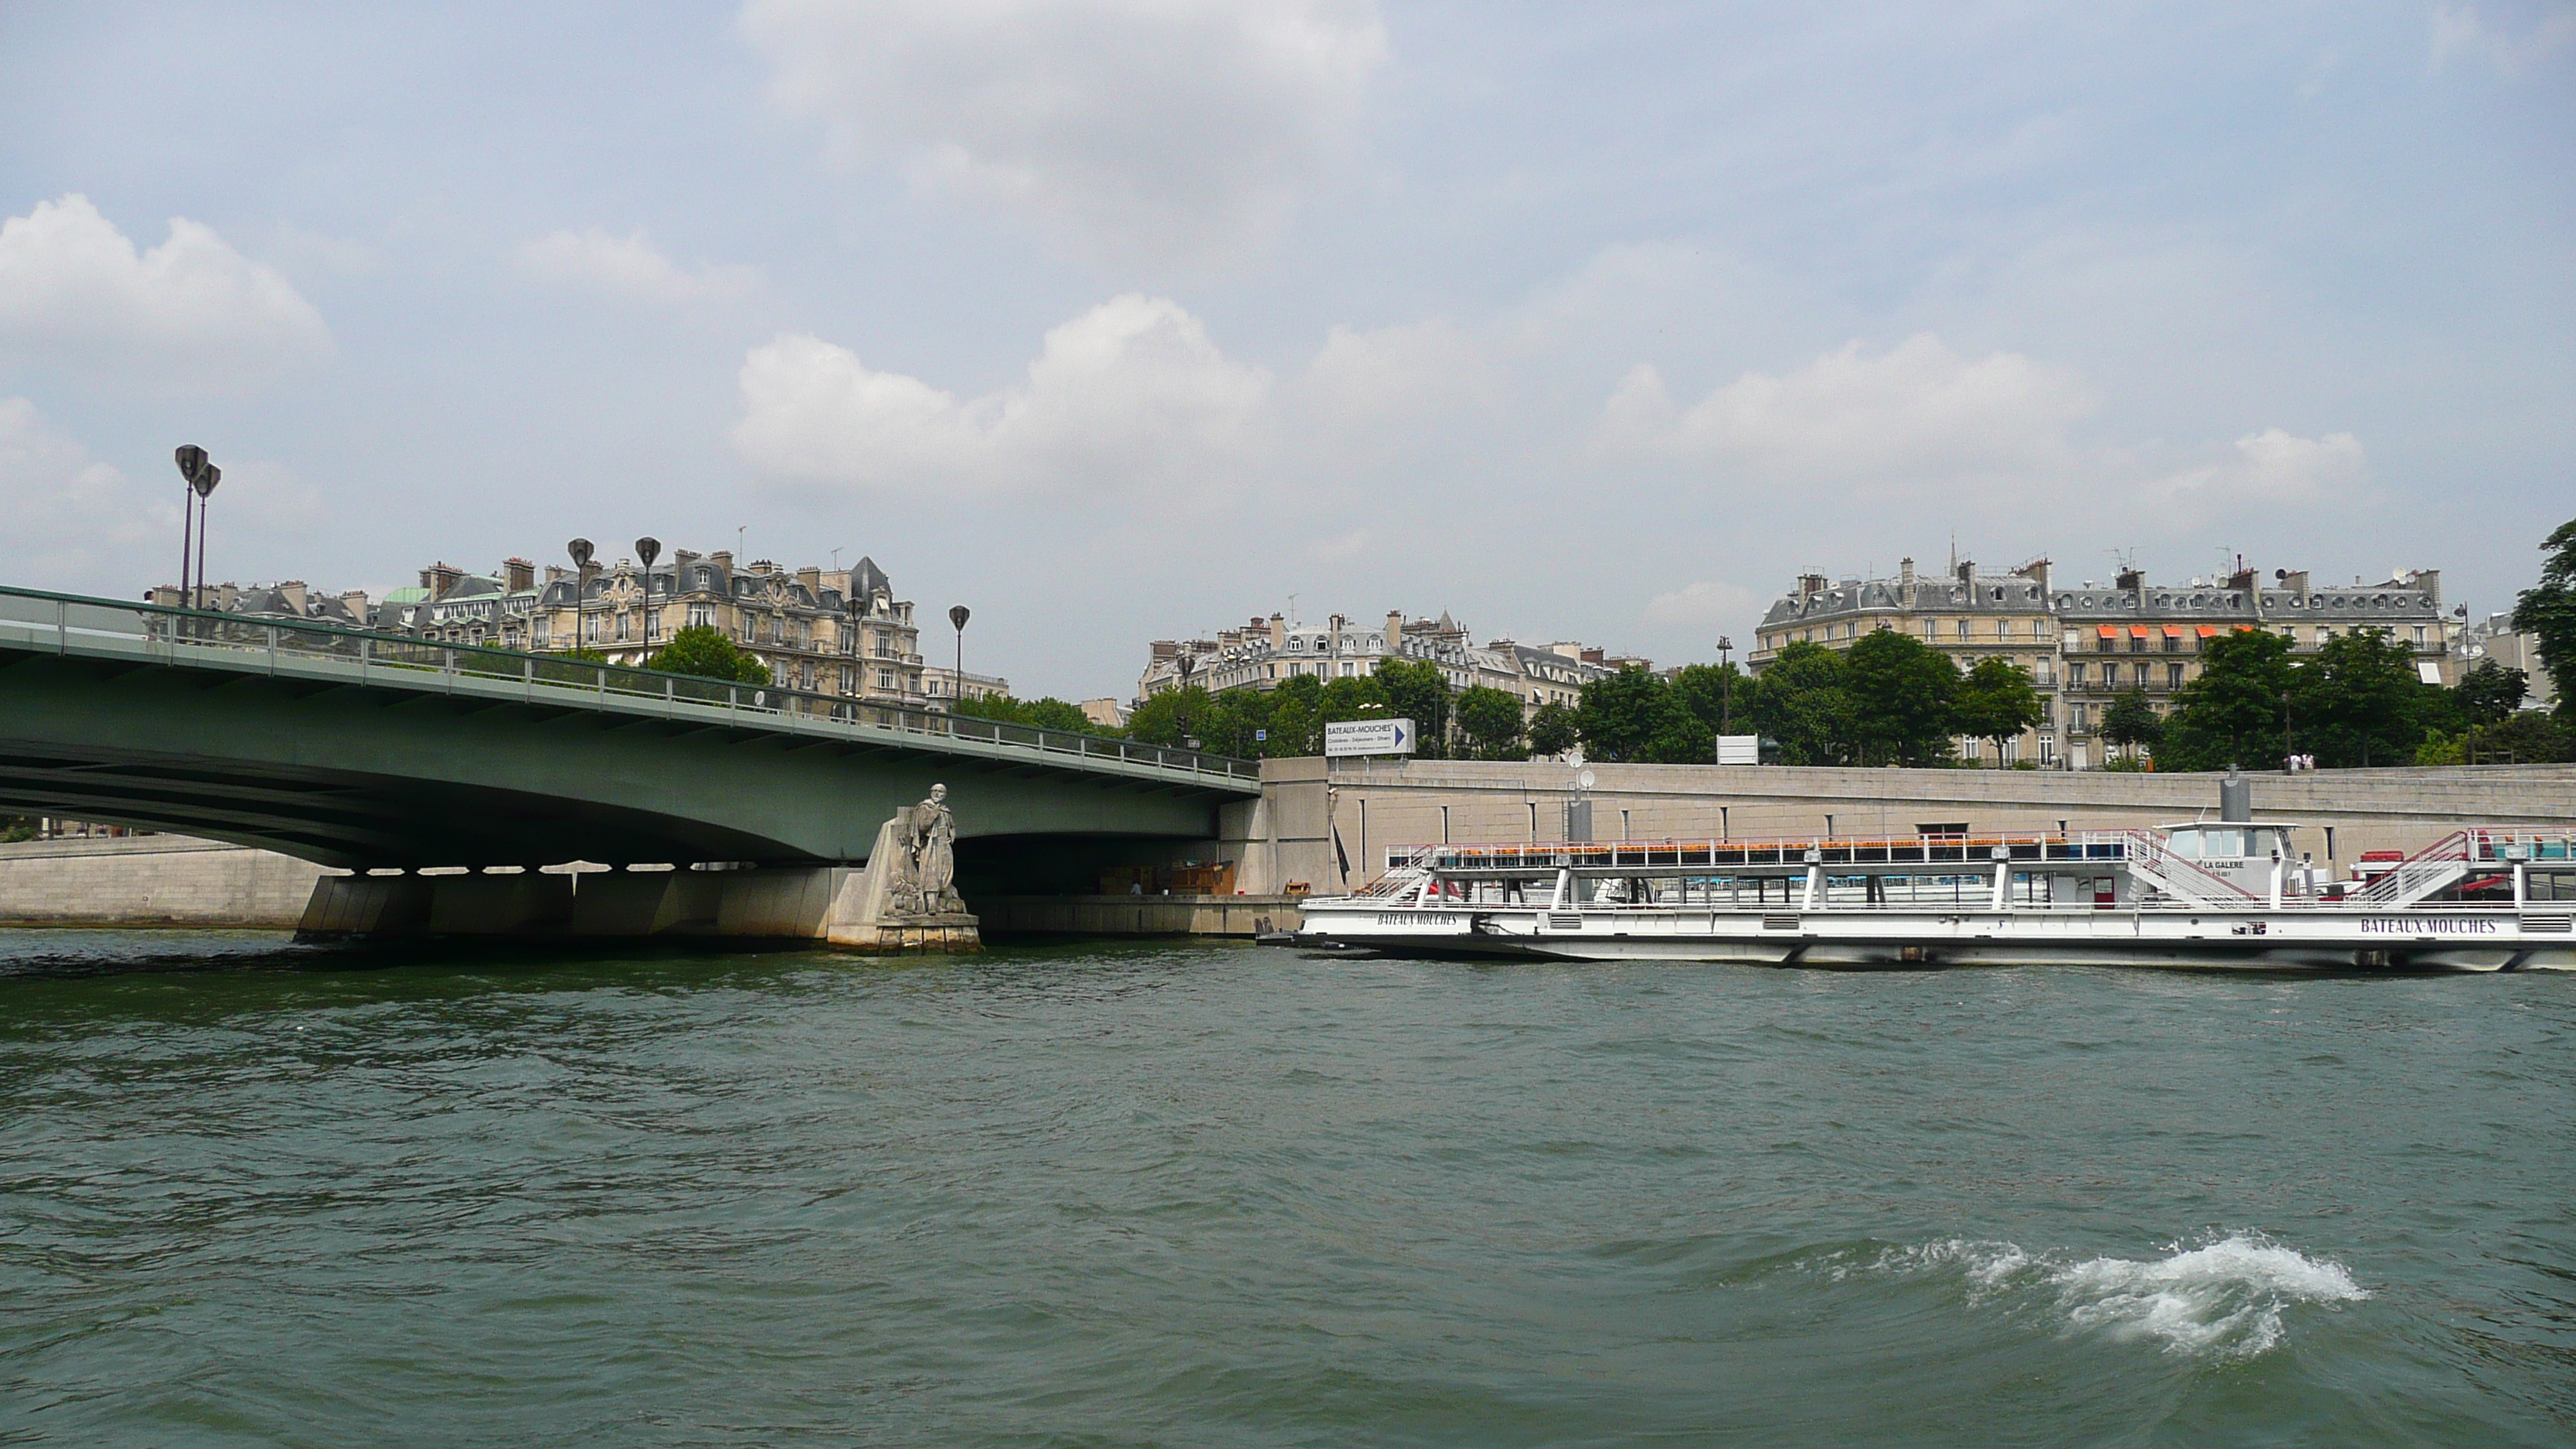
(63, 623)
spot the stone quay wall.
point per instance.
(151, 880)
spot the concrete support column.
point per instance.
(824, 903)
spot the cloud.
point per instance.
(1704, 604)
(629, 266)
(2269, 469)
(1396, 373)
(191, 313)
(1137, 128)
(1917, 413)
(69, 514)
(1129, 398)
(2459, 31)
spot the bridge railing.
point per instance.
(65, 623)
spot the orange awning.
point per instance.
(2138, 631)
(2173, 631)
(2208, 631)
(2110, 631)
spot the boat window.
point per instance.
(2186, 843)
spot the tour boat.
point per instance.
(2226, 892)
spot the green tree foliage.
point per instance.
(2530, 737)
(1804, 704)
(1489, 723)
(706, 654)
(2547, 612)
(2231, 714)
(1552, 729)
(1415, 689)
(1046, 713)
(1717, 695)
(2489, 694)
(2131, 722)
(1996, 702)
(1171, 717)
(1296, 718)
(1635, 715)
(1905, 700)
(2357, 702)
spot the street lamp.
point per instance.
(958, 614)
(579, 551)
(200, 477)
(1725, 686)
(1181, 696)
(648, 549)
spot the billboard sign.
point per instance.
(1368, 737)
(1739, 749)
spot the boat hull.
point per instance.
(1884, 940)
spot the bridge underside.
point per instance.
(363, 776)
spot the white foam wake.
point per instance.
(2222, 1299)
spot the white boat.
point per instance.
(2227, 892)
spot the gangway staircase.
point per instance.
(2435, 868)
(1401, 879)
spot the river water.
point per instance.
(1221, 1194)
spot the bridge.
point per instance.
(395, 757)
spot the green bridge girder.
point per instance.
(371, 751)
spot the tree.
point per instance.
(1296, 718)
(2489, 693)
(2231, 714)
(2530, 737)
(1804, 703)
(1622, 716)
(1551, 729)
(2130, 722)
(1996, 702)
(2357, 701)
(1171, 717)
(707, 654)
(1418, 691)
(1719, 696)
(2548, 614)
(1046, 713)
(1489, 720)
(1904, 700)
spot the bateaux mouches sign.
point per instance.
(1368, 737)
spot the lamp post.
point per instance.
(648, 549)
(2289, 761)
(958, 614)
(579, 551)
(1181, 694)
(1725, 686)
(200, 476)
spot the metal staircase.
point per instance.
(2152, 861)
(2436, 867)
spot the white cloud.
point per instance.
(1140, 127)
(629, 266)
(1395, 373)
(191, 312)
(2269, 469)
(69, 514)
(2459, 31)
(1918, 413)
(1129, 398)
(1704, 604)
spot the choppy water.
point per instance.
(1225, 1195)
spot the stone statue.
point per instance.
(930, 840)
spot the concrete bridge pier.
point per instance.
(828, 904)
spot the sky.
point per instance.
(1118, 320)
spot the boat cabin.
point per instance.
(2240, 852)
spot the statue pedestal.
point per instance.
(909, 935)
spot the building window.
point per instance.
(2080, 712)
(702, 616)
(2110, 676)
(2003, 628)
(1931, 630)
(885, 679)
(2419, 636)
(2137, 644)
(1963, 628)
(2074, 674)
(2173, 676)
(2048, 749)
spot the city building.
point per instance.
(940, 683)
(2084, 644)
(2494, 638)
(837, 632)
(1264, 652)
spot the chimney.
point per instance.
(2036, 571)
(227, 594)
(1810, 584)
(1968, 577)
(355, 601)
(1278, 631)
(763, 566)
(2292, 580)
(519, 573)
(440, 578)
(2129, 579)
(1394, 628)
(722, 558)
(2430, 581)
(2241, 579)
(812, 579)
(293, 589)
(1337, 633)
(1905, 575)
(1591, 656)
